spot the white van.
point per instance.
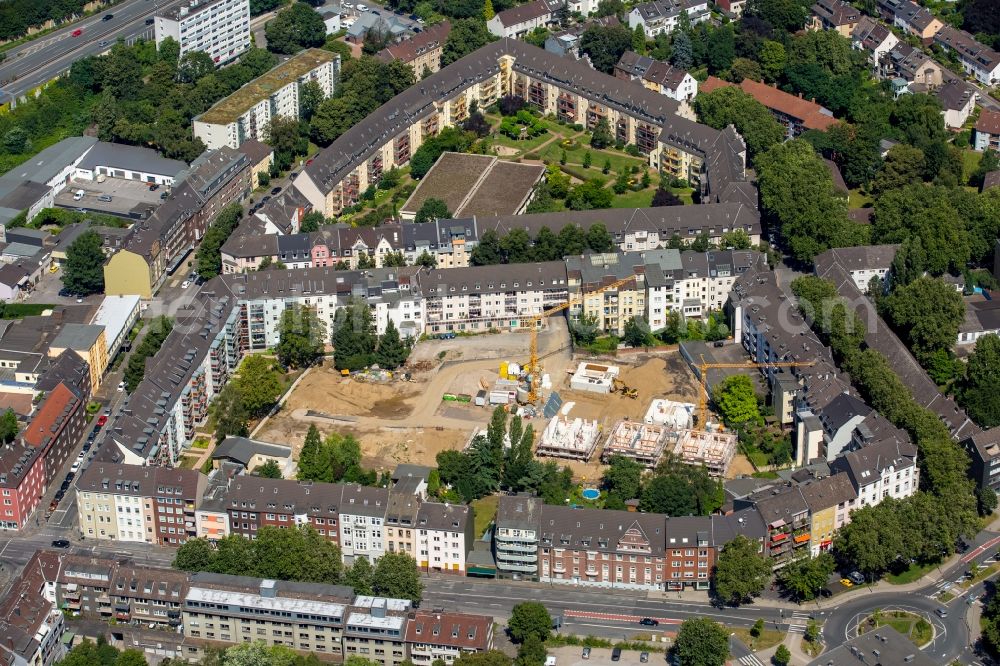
(78, 195)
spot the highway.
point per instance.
(39, 61)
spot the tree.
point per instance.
(926, 313)
(84, 270)
(729, 105)
(391, 352)
(701, 642)
(636, 333)
(796, 192)
(772, 60)
(872, 541)
(232, 417)
(302, 337)
(605, 45)
(737, 401)
(432, 209)
(741, 572)
(529, 618)
(269, 470)
(467, 35)
(903, 165)
(194, 555)
(396, 576)
(805, 577)
(310, 97)
(354, 339)
(487, 251)
(934, 214)
(258, 384)
(491, 658)
(311, 222)
(8, 426)
(602, 137)
(782, 656)
(488, 12)
(623, 478)
(296, 28)
(599, 239)
(980, 391)
(209, 254)
(289, 137)
(194, 66)
(664, 197)
(361, 576)
(426, 259)
(682, 55)
(312, 465)
(531, 652)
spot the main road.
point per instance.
(39, 61)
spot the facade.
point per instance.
(912, 18)
(911, 65)
(422, 52)
(55, 428)
(362, 522)
(569, 89)
(661, 16)
(958, 101)
(445, 534)
(987, 134)
(977, 59)
(518, 21)
(874, 38)
(658, 76)
(862, 263)
(517, 535)
(246, 113)
(375, 629)
(32, 186)
(132, 503)
(220, 28)
(984, 449)
(31, 624)
(114, 160)
(261, 158)
(22, 484)
(89, 343)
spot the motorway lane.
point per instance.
(40, 61)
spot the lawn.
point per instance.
(20, 310)
(640, 199)
(913, 626)
(858, 199)
(188, 462)
(914, 572)
(525, 145)
(768, 638)
(970, 162)
(485, 510)
(619, 160)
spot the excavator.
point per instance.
(618, 386)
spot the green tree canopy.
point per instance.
(737, 401)
(432, 209)
(980, 392)
(302, 337)
(296, 28)
(529, 618)
(926, 313)
(730, 105)
(741, 572)
(396, 576)
(701, 642)
(605, 45)
(805, 577)
(83, 273)
(354, 339)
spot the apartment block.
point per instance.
(569, 89)
(246, 114)
(375, 629)
(862, 263)
(55, 428)
(445, 534)
(362, 522)
(22, 484)
(984, 449)
(30, 622)
(244, 504)
(422, 52)
(446, 636)
(661, 17)
(836, 15)
(874, 38)
(220, 28)
(793, 112)
(517, 536)
(88, 341)
(150, 595)
(138, 504)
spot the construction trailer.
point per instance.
(712, 449)
(643, 442)
(594, 377)
(566, 438)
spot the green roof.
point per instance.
(229, 109)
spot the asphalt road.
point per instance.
(41, 60)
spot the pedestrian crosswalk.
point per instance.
(797, 623)
(751, 660)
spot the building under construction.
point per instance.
(713, 450)
(643, 442)
(565, 438)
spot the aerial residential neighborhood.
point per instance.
(499, 333)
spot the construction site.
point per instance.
(643, 442)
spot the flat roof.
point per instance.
(114, 314)
(227, 110)
(289, 604)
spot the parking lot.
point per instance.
(572, 655)
(129, 198)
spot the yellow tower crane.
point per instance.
(705, 366)
(533, 368)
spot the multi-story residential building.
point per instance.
(518, 21)
(55, 428)
(987, 134)
(912, 65)
(444, 537)
(874, 38)
(660, 17)
(958, 101)
(516, 536)
(785, 512)
(30, 622)
(362, 522)
(884, 465)
(569, 89)
(156, 246)
(862, 263)
(375, 629)
(795, 113)
(446, 636)
(836, 15)
(247, 503)
(733, 8)
(143, 594)
(88, 341)
(220, 28)
(401, 522)
(829, 500)
(139, 504)
(911, 18)
(658, 76)
(977, 59)
(84, 584)
(22, 484)
(225, 609)
(483, 298)
(422, 52)
(984, 449)
(246, 113)
(117, 314)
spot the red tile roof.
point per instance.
(989, 122)
(808, 113)
(50, 417)
(408, 49)
(468, 632)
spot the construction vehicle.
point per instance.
(706, 366)
(618, 386)
(533, 369)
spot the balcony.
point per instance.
(518, 557)
(519, 546)
(523, 568)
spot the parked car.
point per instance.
(185, 284)
(266, 198)
(362, 8)
(586, 653)
(276, 190)
(292, 175)
(78, 195)
(941, 613)
(164, 195)
(616, 654)
(153, 187)
(104, 197)
(60, 543)
(856, 578)
(101, 420)
(644, 657)
(121, 386)
(149, 21)
(75, 468)
(649, 622)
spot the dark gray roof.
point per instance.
(78, 337)
(866, 464)
(24, 195)
(404, 470)
(44, 166)
(243, 449)
(862, 257)
(601, 530)
(363, 500)
(545, 276)
(446, 517)
(519, 512)
(130, 158)
(256, 150)
(955, 94)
